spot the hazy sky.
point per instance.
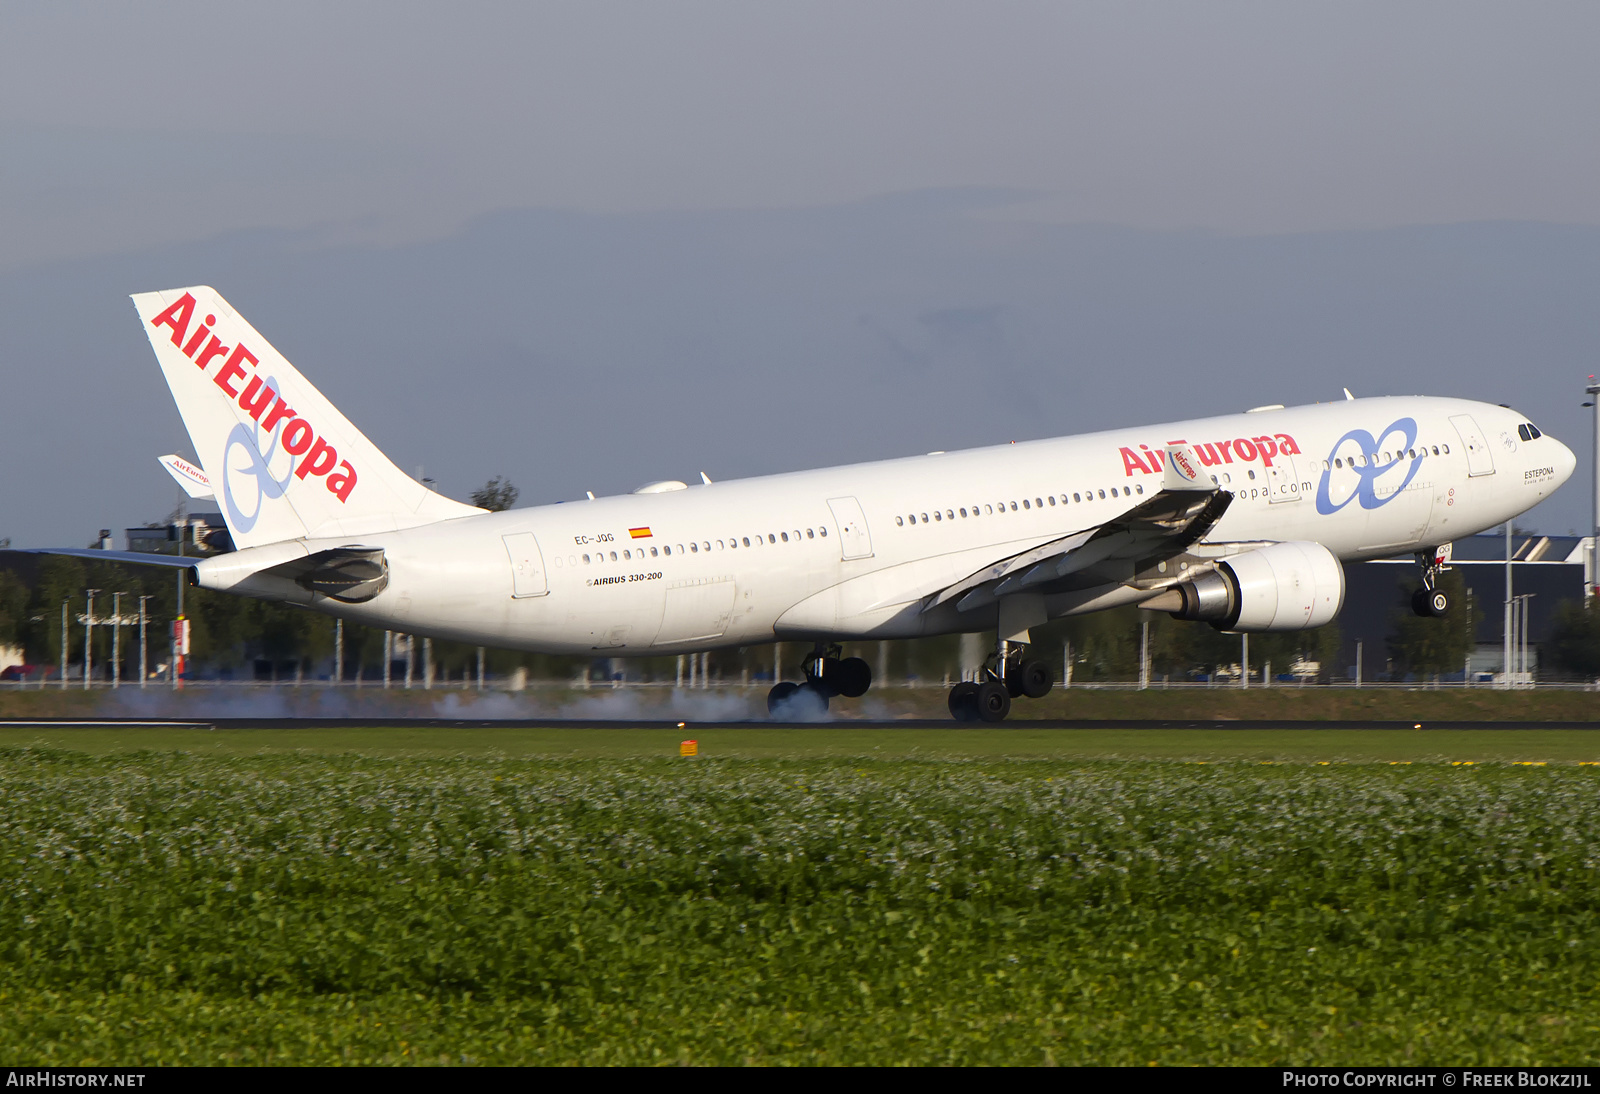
(594, 244)
(132, 124)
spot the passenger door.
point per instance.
(527, 566)
(1480, 461)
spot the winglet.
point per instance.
(191, 478)
(1183, 471)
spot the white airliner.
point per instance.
(1241, 521)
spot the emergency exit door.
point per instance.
(855, 540)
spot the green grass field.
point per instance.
(814, 895)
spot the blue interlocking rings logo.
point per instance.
(257, 468)
(1368, 470)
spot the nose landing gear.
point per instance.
(1430, 601)
(1008, 675)
(827, 674)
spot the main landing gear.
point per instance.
(1008, 675)
(1430, 601)
(827, 675)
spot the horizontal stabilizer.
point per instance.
(133, 558)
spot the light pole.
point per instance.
(116, 639)
(1593, 569)
(1506, 655)
(88, 633)
(144, 670)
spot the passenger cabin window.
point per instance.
(1025, 504)
(900, 521)
(786, 540)
(1076, 498)
(1102, 493)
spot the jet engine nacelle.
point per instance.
(1285, 587)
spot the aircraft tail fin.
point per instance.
(1182, 469)
(282, 460)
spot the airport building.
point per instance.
(196, 534)
(1546, 569)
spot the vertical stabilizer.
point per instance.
(284, 463)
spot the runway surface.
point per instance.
(843, 723)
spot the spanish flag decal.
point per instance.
(639, 533)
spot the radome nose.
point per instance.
(1566, 462)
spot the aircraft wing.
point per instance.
(1186, 507)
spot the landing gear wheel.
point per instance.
(789, 702)
(993, 701)
(964, 702)
(1036, 679)
(850, 677)
(780, 695)
(1430, 603)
